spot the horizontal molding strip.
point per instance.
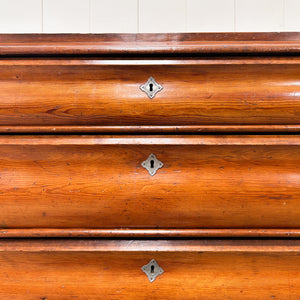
(136, 140)
(149, 49)
(149, 44)
(161, 61)
(211, 245)
(147, 233)
(150, 129)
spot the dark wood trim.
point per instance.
(148, 233)
(151, 37)
(148, 44)
(151, 61)
(151, 129)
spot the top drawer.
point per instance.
(91, 83)
(106, 93)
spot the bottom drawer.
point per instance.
(108, 269)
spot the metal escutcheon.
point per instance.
(152, 270)
(152, 164)
(151, 87)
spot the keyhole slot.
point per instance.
(151, 87)
(151, 163)
(152, 269)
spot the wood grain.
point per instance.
(248, 129)
(109, 95)
(98, 182)
(148, 233)
(150, 245)
(79, 214)
(150, 44)
(71, 270)
(158, 140)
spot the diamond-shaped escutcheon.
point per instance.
(152, 270)
(152, 164)
(151, 87)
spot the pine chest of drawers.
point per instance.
(150, 166)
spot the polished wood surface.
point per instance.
(80, 216)
(171, 140)
(148, 233)
(150, 245)
(150, 129)
(212, 269)
(107, 94)
(150, 44)
(98, 182)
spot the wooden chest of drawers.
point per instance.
(150, 166)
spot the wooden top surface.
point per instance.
(149, 44)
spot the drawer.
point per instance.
(104, 95)
(207, 269)
(101, 182)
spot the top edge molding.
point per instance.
(282, 43)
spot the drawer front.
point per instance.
(113, 270)
(100, 182)
(107, 92)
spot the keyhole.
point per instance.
(151, 163)
(152, 269)
(151, 87)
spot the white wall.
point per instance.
(99, 16)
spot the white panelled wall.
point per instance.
(105, 16)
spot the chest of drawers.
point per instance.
(150, 166)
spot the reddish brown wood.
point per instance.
(96, 182)
(152, 245)
(152, 129)
(145, 232)
(136, 44)
(163, 37)
(94, 187)
(101, 94)
(109, 95)
(112, 269)
(174, 140)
